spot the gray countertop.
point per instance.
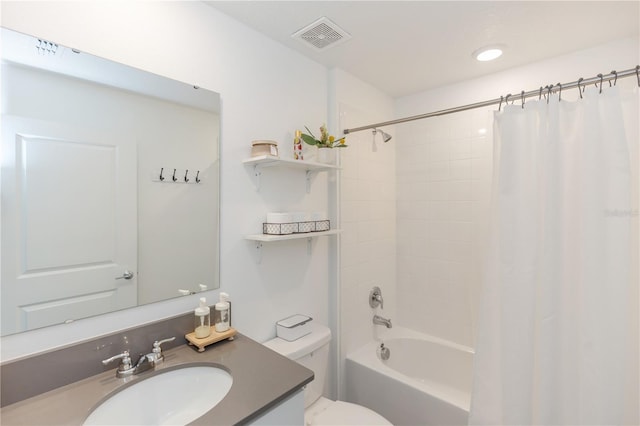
(261, 379)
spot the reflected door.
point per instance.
(69, 223)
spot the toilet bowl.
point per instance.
(312, 351)
(327, 412)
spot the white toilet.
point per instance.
(312, 351)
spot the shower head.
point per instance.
(386, 137)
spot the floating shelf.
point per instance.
(270, 161)
(266, 238)
(264, 161)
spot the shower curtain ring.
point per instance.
(540, 93)
(506, 100)
(579, 89)
(522, 98)
(560, 92)
(500, 105)
(638, 74)
(615, 79)
(601, 77)
(549, 87)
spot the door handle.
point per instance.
(127, 275)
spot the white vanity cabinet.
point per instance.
(288, 412)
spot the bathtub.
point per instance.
(425, 381)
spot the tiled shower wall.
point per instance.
(368, 217)
(444, 167)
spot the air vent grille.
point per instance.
(45, 47)
(322, 34)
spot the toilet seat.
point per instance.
(343, 413)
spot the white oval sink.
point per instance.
(175, 397)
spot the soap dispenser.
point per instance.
(222, 313)
(202, 320)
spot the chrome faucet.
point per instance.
(377, 319)
(144, 363)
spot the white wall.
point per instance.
(267, 91)
(367, 208)
(444, 170)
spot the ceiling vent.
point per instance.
(322, 34)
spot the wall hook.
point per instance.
(174, 178)
(161, 177)
(186, 172)
(197, 177)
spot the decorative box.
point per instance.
(293, 327)
(259, 148)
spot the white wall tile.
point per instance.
(460, 190)
(437, 191)
(461, 169)
(437, 170)
(349, 211)
(461, 211)
(481, 169)
(461, 231)
(461, 149)
(481, 147)
(437, 211)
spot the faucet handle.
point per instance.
(375, 298)
(126, 361)
(157, 350)
(156, 345)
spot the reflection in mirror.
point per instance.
(110, 186)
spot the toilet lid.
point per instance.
(346, 413)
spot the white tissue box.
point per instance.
(293, 327)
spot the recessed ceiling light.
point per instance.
(488, 53)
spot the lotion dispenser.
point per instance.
(202, 320)
(222, 313)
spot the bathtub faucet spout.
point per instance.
(377, 319)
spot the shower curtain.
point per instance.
(557, 336)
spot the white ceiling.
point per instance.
(405, 47)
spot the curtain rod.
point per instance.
(546, 91)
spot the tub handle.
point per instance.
(375, 298)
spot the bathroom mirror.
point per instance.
(109, 184)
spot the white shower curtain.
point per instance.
(557, 335)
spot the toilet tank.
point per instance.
(312, 351)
